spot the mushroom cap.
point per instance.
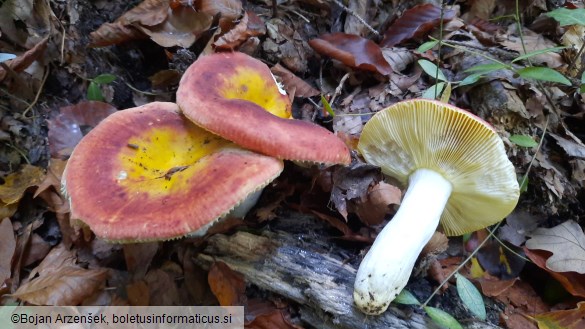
(236, 97)
(463, 148)
(148, 173)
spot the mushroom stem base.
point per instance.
(387, 266)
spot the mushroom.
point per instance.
(457, 173)
(236, 97)
(148, 173)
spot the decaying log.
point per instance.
(293, 258)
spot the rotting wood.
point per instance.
(292, 259)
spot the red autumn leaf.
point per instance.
(261, 314)
(65, 129)
(227, 286)
(249, 26)
(572, 281)
(293, 84)
(415, 22)
(353, 51)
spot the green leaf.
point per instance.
(523, 140)
(427, 46)
(6, 57)
(568, 16)
(407, 298)
(94, 93)
(538, 52)
(470, 296)
(470, 79)
(442, 318)
(104, 78)
(544, 74)
(486, 68)
(434, 91)
(327, 106)
(431, 69)
(583, 83)
(523, 183)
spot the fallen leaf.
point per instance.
(60, 282)
(138, 257)
(373, 207)
(415, 22)
(138, 293)
(162, 287)
(17, 183)
(7, 248)
(37, 250)
(249, 26)
(567, 243)
(573, 282)
(49, 190)
(353, 51)
(181, 28)
(65, 130)
(352, 182)
(564, 319)
(26, 59)
(292, 83)
(271, 320)
(227, 286)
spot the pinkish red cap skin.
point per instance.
(202, 98)
(106, 184)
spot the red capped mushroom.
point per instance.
(458, 175)
(148, 173)
(236, 96)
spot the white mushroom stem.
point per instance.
(388, 264)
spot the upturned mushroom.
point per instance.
(148, 173)
(457, 173)
(236, 97)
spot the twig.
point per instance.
(38, 93)
(354, 14)
(339, 87)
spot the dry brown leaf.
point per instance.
(227, 286)
(373, 207)
(37, 250)
(138, 257)
(565, 319)
(292, 83)
(249, 26)
(415, 22)
(567, 243)
(147, 13)
(181, 28)
(23, 61)
(162, 287)
(17, 183)
(7, 248)
(572, 281)
(531, 42)
(353, 51)
(69, 286)
(138, 293)
(274, 319)
(228, 9)
(60, 281)
(112, 34)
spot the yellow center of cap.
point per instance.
(161, 161)
(248, 84)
